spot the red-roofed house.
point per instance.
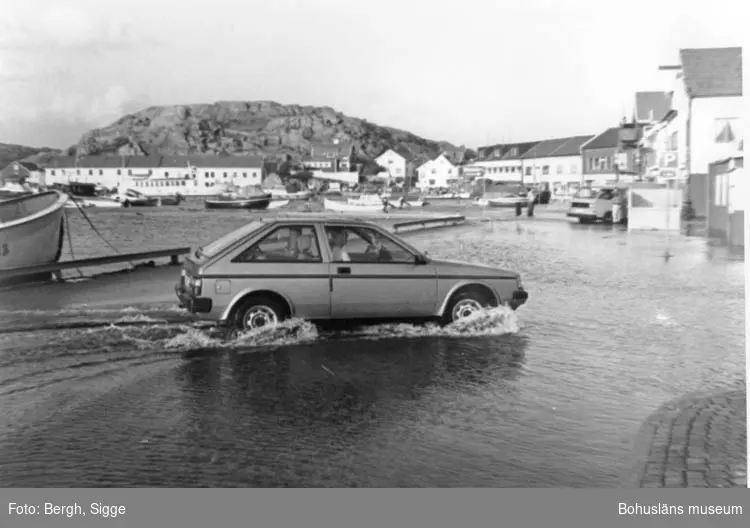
(706, 127)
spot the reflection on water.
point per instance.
(551, 395)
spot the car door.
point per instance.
(378, 284)
(288, 260)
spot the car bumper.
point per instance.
(581, 213)
(196, 305)
(519, 298)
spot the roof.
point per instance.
(317, 158)
(610, 138)
(506, 149)
(401, 151)
(101, 162)
(652, 106)
(61, 162)
(712, 72)
(143, 162)
(29, 166)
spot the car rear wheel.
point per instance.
(259, 312)
(464, 305)
(607, 219)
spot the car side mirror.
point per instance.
(420, 260)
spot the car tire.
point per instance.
(464, 304)
(607, 218)
(585, 220)
(258, 312)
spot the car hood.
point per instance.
(456, 267)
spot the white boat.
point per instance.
(283, 194)
(278, 204)
(376, 199)
(348, 207)
(32, 229)
(507, 201)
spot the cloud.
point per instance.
(62, 27)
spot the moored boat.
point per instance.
(132, 198)
(278, 204)
(239, 202)
(352, 207)
(32, 229)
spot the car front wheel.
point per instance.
(464, 305)
(259, 312)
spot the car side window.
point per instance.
(298, 243)
(362, 244)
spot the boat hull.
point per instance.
(507, 202)
(344, 207)
(278, 204)
(240, 203)
(32, 239)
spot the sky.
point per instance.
(470, 72)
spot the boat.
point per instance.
(395, 201)
(132, 198)
(509, 200)
(278, 204)
(352, 207)
(230, 201)
(32, 229)
(283, 194)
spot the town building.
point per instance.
(651, 107)
(706, 126)
(556, 163)
(727, 192)
(398, 164)
(605, 162)
(503, 162)
(22, 171)
(436, 173)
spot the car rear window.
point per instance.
(217, 245)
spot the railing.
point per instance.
(427, 223)
(57, 267)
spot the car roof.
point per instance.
(319, 219)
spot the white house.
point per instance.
(706, 127)
(556, 163)
(503, 162)
(22, 171)
(398, 162)
(437, 173)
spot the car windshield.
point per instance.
(217, 245)
(585, 193)
(606, 194)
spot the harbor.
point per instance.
(128, 390)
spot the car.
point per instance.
(590, 205)
(328, 269)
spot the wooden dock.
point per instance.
(56, 268)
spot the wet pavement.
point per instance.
(550, 396)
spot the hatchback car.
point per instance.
(333, 269)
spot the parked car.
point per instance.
(333, 269)
(590, 205)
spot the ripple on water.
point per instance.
(551, 395)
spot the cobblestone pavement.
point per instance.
(695, 442)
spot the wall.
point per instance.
(599, 174)
(437, 173)
(571, 170)
(502, 170)
(654, 207)
(703, 149)
(393, 163)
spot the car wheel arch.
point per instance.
(480, 287)
(241, 297)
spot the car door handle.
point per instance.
(344, 271)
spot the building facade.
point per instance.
(605, 162)
(557, 164)
(437, 173)
(22, 171)
(503, 162)
(398, 163)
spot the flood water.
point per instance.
(549, 396)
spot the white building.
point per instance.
(397, 162)
(707, 106)
(556, 163)
(437, 173)
(503, 162)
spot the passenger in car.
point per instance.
(339, 239)
(304, 248)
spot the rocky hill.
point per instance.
(10, 153)
(245, 128)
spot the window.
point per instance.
(545, 169)
(225, 174)
(78, 172)
(52, 172)
(560, 169)
(528, 171)
(673, 141)
(101, 172)
(166, 174)
(284, 244)
(364, 244)
(130, 172)
(573, 169)
(434, 171)
(432, 182)
(244, 175)
(119, 172)
(206, 174)
(450, 171)
(91, 172)
(514, 151)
